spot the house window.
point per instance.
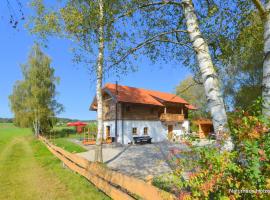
(127, 108)
(134, 131)
(145, 130)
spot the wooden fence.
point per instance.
(114, 184)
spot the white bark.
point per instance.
(36, 122)
(100, 61)
(36, 126)
(266, 64)
(209, 76)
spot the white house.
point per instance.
(131, 112)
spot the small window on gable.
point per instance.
(134, 131)
(145, 130)
(127, 108)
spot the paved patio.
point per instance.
(138, 160)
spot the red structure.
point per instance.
(79, 125)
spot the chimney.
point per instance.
(116, 87)
(116, 112)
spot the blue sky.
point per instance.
(77, 88)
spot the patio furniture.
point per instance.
(142, 139)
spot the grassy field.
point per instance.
(64, 143)
(62, 137)
(29, 171)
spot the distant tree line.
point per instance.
(61, 120)
(66, 120)
(6, 120)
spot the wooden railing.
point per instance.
(116, 185)
(168, 117)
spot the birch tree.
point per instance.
(264, 10)
(100, 62)
(170, 31)
(33, 99)
(90, 25)
(208, 73)
(174, 25)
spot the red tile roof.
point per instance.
(132, 95)
(191, 107)
(143, 96)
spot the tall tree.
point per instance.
(100, 62)
(242, 61)
(18, 104)
(264, 10)
(91, 26)
(208, 73)
(169, 37)
(33, 99)
(174, 26)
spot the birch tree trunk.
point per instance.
(266, 64)
(36, 123)
(100, 61)
(209, 76)
(35, 126)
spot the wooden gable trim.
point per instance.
(93, 106)
(111, 94)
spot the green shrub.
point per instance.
(194, 127)
(212, 173)
(61, 132)
(168, 182)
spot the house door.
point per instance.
(170, 132)
(108, 132)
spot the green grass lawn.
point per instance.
(29, 171)
(62, 137)
(66, 144)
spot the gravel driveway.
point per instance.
(137, 160)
